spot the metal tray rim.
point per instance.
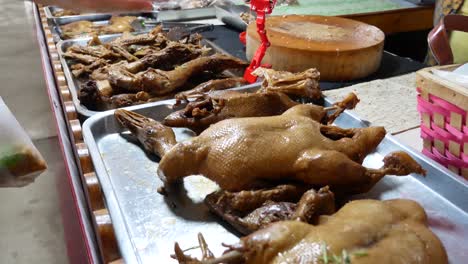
(123, 238)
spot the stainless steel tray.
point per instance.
(97, 19)
(147, 225)
(187, 14)
(49, 12)
(164, 15)
(73, 83)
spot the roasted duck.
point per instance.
(123, 76)
(248, 211)
(78, 29)
(159, 82)
(270, 100)
(215, 106)
(117, 24)
(134, 69)
(238, 153)
(362, 231)
(64, 12)
(304, 84)
(121, 80)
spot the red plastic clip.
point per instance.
(242, 38)
(262, 7)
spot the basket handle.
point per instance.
(438, 38)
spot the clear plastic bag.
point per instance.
(20, 161)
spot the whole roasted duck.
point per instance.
(215, 106)
(362, 231)
(238, 153)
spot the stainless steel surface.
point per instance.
(187, 14)
(73, 83)
(229, 14)
(147, 224)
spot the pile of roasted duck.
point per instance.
(283, 169)
(134, 69)
(84, 28)
(64, 12)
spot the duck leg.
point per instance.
(248, 211)
(246, 201)
(350, 102)
(398, 163)
(314, 204)
(346, 176)
(159, 82)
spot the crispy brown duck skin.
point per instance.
(361, 232)
(212, 85)
(284, 202)
(158, 82)
(304, 84)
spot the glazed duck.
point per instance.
(159, 82)
(215, 106)
(247, 153)
(361, 232)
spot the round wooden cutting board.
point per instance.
(341, 49)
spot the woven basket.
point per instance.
(443, 107)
